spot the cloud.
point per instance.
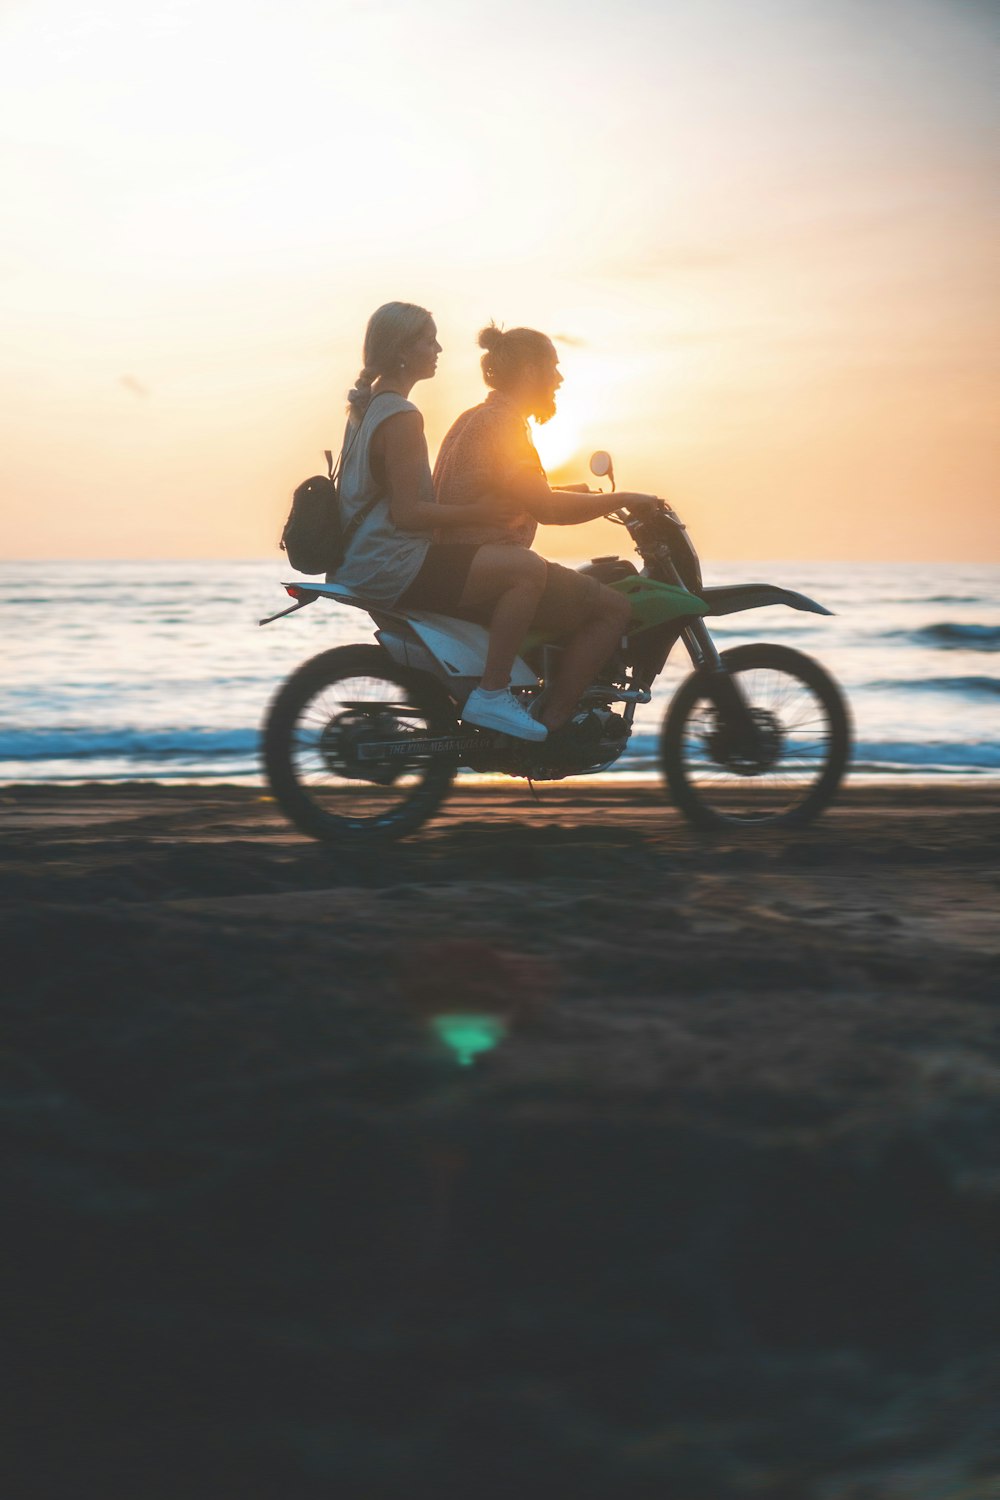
(132, 384)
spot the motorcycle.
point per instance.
(362, 742)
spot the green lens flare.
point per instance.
(466, 1036)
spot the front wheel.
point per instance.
(801, 743)
(343, 751)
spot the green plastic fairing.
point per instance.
(653, 603)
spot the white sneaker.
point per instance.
(500, 710)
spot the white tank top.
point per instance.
(382, 558)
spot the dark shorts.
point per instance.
(561, 605)
(440, 583)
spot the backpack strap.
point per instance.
(352, 526)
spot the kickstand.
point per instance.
(531, 788)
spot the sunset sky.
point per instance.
(764, 234)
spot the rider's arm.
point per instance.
(528, 488)
(407, 476)
(554, 509)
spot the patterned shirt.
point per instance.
(485, 451)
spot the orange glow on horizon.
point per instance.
(777, 310)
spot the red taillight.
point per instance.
(292, 590)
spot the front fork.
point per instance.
(723, 688)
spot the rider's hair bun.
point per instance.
(509, 351)
(490, 338)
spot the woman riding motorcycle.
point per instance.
(392, 558)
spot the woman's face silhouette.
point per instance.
(422, 355)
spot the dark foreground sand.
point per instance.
(718, 1216)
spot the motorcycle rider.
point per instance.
(391, 558)
(487, 454)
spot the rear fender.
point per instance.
(450, 649)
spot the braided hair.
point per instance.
(392, 328)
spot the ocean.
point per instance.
(159, 671)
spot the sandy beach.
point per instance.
(701, 1199)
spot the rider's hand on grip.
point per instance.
(638, 504)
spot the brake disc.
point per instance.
(770, 741)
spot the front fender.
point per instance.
(734, 597)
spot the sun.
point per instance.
(565, 443)
(561, 438)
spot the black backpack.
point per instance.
(312, 539)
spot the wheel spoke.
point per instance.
(318, 730)
(720, 777)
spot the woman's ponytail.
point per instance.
(360, 394)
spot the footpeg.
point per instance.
(621, 695)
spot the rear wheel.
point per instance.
(320, 733)
(799, 754)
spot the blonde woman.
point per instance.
(392, 558)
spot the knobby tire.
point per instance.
(334, 807)
(774, 797)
